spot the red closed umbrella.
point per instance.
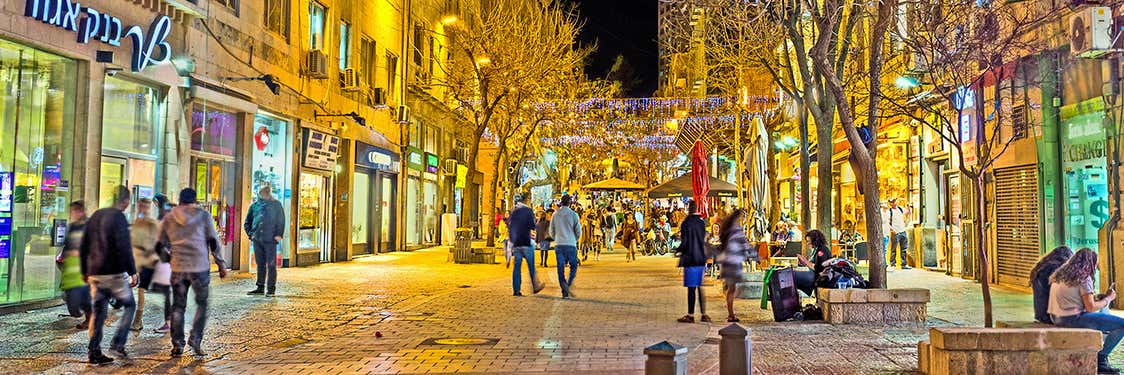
(700, 183)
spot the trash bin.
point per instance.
(462, 248)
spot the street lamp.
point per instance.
(906, 82)
(483, 60)
(449, 20)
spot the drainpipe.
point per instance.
(1108, 232)
(403, 132)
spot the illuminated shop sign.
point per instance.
(431, 162)
(149, 46)
(415, 159)
(375, 158)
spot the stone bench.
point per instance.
(962, 350)
(843, 306)
(1022, 324)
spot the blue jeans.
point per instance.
(102, 287)
(900, 241)
(521, 253)
(181, 282)
(566, 254)
(1111, 325)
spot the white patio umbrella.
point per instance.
(758, 166)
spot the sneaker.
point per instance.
(1106, 369)
(256, 292)
(118, 352)
(99, 359)
(905, 267)
(197, 348)
(565, 290)
(163, 329)
(570, 291)
(540, 286)
(271, 293)
(177, 352)
(705, 318)
(517, 294)
(686, 319)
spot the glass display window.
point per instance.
(132, 117)
(213, 131)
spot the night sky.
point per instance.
(622, 27)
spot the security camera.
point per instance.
(112, 71)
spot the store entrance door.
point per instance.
(112, 175)
(385, 212)
(215, 184)
(315, 224)
(953, 243)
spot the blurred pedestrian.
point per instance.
(630, 236)
(265, 225)
(565, 229)
(521, 221)
(108, 266)
(734, 250)
(587, 240)
(142, 235)
(692, 259)
(542, 236)
(190, 233)
(609, 226)
(75, 292)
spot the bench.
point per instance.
(1022, 324)
(844, 306)
(964, 350)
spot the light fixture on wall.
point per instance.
(269, 80)
(352, 115)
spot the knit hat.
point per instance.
(187, 196)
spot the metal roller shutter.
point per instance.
(1017, 223)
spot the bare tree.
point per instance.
(959, 52)
(506, 48)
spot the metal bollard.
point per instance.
(665, 358)
(735, 351)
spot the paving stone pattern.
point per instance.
(327, 320)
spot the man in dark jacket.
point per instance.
(107, 265)
(520, 223)
(265, 224)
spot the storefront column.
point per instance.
(88, 155)
(341, 228)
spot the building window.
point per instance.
(368, 60)
(229, 4)
(435, 51)
(391, 72)
(416, 134)
(277, 17)
(419, 42)
(132, 116)
(431, 139)
(345, 45)
(316, 15)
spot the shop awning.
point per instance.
(614, 184)
(681, 187)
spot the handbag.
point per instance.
(162, 274)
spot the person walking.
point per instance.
(190, 233)
(735, 249)
(586, 240)
(142, 235)
(565, 229)
(75, 292)
(542, 235)
(899, 239)
(521, 221)
(265, 225)
(692, 259)
(630, 235)
(108, 267)
(609, 226)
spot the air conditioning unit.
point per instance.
(403, 114)
(451, 167)
(1089, 32)
(349, 80)
(377, 96)
(317, 64)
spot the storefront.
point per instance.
(271, 165)
(132, 125)
(414, 211)
(431, 206)
(215, 169)
(374, 198)
(317, 182)
(37, 103)
(1084, 179)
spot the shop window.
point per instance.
(276, 15)
(213, 131)
(316, 15)
(131, 120)
(345, 45)
(37, 102)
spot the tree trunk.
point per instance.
(825, 145)
(984, 269)
(876, 252)
(471, 192)
(774, 187)
(805, 165)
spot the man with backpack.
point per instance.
(898, 218)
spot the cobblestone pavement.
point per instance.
(382, 314)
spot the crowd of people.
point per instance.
(105, 256)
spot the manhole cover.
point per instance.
(460, 341)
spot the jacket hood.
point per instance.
(184, 215)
